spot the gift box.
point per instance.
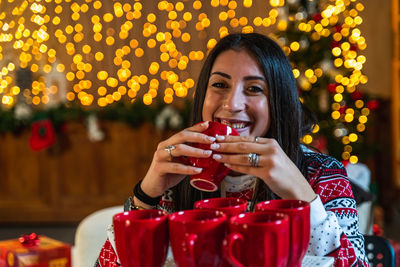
(40, 252)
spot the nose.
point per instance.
(235, 100)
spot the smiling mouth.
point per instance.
(235, 124)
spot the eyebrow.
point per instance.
(245, 78)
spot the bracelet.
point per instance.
(142, 196)
(131, 205)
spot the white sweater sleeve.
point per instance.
(327, 230)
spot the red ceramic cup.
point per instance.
(196, 237)
(299, 219)
(141, 237)
(257, 239)
(231, 206)
(213, 171)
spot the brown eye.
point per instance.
(255, 89)
(218, 85)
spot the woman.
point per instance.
(247, 82)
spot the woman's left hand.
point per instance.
(274, 167)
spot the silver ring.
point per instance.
(169, 149)
(256, 139)
(253, 159)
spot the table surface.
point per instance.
(308, 261)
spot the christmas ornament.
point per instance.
(373, 104)
(94, 132)
(22, 111)
(170, 116)
(43, 135)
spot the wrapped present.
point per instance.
(34, 251)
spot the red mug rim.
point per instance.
(213, 187)
(240, 202)
(301, 204)
(277, 218)
(179, 216)
(136, 215)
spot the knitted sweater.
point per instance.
(334, 219)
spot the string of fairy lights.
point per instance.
(96, 53)
(347, 41)
(28, 30)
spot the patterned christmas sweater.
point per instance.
(334, 219)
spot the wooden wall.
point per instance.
(74, 177)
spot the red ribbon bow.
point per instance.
(29, 240)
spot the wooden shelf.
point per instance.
(395, 111)
(76, 176)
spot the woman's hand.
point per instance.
(274, 167)
(167, 168)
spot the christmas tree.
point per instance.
(324, 45)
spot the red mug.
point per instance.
(213, 171)
(141, 237)
(299, 220)
(257, 239)
(231, 206)
(196, 237)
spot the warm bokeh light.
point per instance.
(97, 53)
(109, 25)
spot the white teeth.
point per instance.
(236, 125)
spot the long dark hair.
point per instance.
(289, 120)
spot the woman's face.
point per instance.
(237, 94)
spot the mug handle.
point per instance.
(190, 242)
(227, 247)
